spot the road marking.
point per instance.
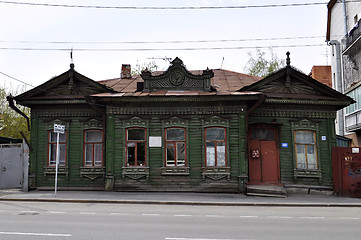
(119, 214)
(248, 216)
(36, 234)
(207, 239)
(150, 214)
(313, 217)
(280, 217)
(350, 218)
(87, 213)
(180, 215)
(52, 212)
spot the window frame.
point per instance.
(50, 143)
(215, 154)
(305, 145)
(136, 153)
(85, 143)
(175, 142)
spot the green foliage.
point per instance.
(258, 65)
(151, 66)
(11, 123)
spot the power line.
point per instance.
(165, 8)
(177, 41)
(16, 79)
(154, 49)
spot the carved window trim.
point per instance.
(53, 143)
(306, 125)
(93, 148)
(174, 144)
(218, 143)
(136, 144)
(215, 173)
(169, 123)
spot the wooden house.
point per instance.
(180, 130)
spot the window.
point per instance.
(215, 147)
(262, 133)
(175, 147)
(93, 148)
(305, 147)
(52, 139)
(136, 147)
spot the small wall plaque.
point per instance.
(155, 141)
(355, 150)
(284, 145)
(323, 138)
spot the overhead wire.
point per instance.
(164, 8)
(156, 49)
(162, 42)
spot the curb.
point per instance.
(155, 202)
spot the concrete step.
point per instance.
(266, 190)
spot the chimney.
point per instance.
(126, 71)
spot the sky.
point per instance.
(36, 40)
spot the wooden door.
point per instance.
(263, 156)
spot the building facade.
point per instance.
(180, 130)
(343, 35)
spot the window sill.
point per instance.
(135, 172)
(307, 173)
(216, 173)
(63, 171)
(182, 171)
(92, 173)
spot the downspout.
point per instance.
(10, 99)
(345, 17)
(339, 87)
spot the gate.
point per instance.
(13, 166)
(346, 171)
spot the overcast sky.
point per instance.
(98, 35)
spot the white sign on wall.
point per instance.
(59, 128)
(155, 141)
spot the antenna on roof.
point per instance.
(71, 55)
(222, 62)
(162, 58)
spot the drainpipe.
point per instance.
(10, 99)
(339, 86)
(345, 16)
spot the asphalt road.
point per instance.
(33, 220)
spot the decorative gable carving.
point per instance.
(64, 86)
(177, 77)
(292, 86)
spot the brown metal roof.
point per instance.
(225, 82)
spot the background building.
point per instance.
(344, 37)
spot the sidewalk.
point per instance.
(295, 199)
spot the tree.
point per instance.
(11, 122)
(260, 66)
(151, 66)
